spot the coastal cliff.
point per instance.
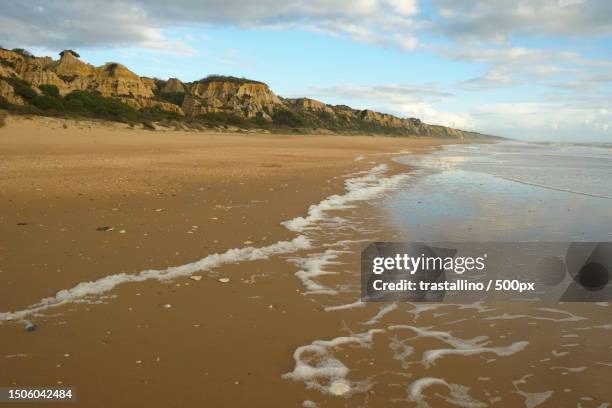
(68, 83)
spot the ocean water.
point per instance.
(472, 355)
(507, 192)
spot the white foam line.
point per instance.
(477, 345)
(381, 313)
(313, 267)
(415, 389)
(532, 399)
(108, 283)
(570, 316)
(459, 394)
(565, 190)
(357, 304)
(570, 369)
(366, 187)
(430, 356)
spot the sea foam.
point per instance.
(365, 187)
(207, 263)
(318, 369)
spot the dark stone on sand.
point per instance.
(22, 223)
(104, 228)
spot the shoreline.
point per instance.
(77, 183)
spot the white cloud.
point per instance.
(546, 120)
(401, 100)
(405, 7)
(387, 93)
(66, 23)
(476, 20)
(407, 42)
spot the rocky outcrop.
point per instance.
(310, 105)
(69, 74)
(383, 119)
(240, 97)
(6, 71)
(173, 85)
(7, 92)
(140, 103)
(114, 79)
(111, 79)
(39, 76)
(70, 66)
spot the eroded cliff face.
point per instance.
(310, 105)
(246, 99)
(173, 85)
(69, 74)
(238, 97)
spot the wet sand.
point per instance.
(168, 198)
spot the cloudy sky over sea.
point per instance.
(539, 69)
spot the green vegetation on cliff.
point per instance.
(228, 78)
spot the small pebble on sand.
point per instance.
(223, 280)
(339, 388)
(30, 327)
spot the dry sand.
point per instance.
(219, 344)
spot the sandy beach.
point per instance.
(83, 200)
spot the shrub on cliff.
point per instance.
(50, 90)
(284, 117)
(229, 78)
(260, 121)
(2, 119)
(222, 118)
(4, 103)
(22, 88)
(158, 114)
(45, 102)
(74, 53)
(23, 52)
(7, 63)
(176, 98)
(93, 104)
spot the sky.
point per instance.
(534, 70)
